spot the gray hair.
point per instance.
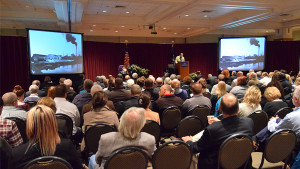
(131, 122)
(95, 88)
(209, 75)
(135, 75)
(9, 98)
(297, 92)
(68, 82)
(130, 82)
(173, 76)
(167, 81)
(33, 88)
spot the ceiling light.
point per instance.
(94, 25)
(267, 31)
(187, 15)
(205, 16)
(104, 11)
(188, 28)
(175, 33)
(122, 26)
(91, 30)
(116, 31)
(164, 28)
(27, 6)
(127, 12)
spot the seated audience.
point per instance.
(70, 91)
(100, 113)
(167, 81)
(167, 99)
(119, 93)
(205, 87)
(33, 97)
(100, 81)
(129, 83)
(227, 79)
(67, 108)
(10, 101)
(287, 86)
(212, 80)
(274, 103)
(9, 132)
(214, 135)
(240, 89)
(84, 98)
(133, 101)
(215, 98)
(47, 101)
(187, 82)
(41, 130)
(253, 79)
(221, 77)
(131, 123)
(149, 87)
(234, 82)
(198, 76)
(250, 102)
(141, 82)
(20, 95)
(275, 82)
(265, 80)
(51, 92)
(158, 83)
(145, 102)
(41, 93)
(135, 76)
(47, 83)
(175, 84)
(197, 99)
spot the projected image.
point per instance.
(242, 53)
(55, 52)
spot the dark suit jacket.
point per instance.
(154, 95)
(166, 101)
(132, 102)
(65, 150)
(119, 95)
(41, 93)
(214, 135)
(272, 107)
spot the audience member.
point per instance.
(135, 76)
(47, 101)
(145, 102)
(240, 89)
(133, 101)
(51, 92)
(250, 102)
(212, 80)
(84, 98)
(214, 135)
(253, 79)
(149, 84)
(227, 79)
(175, 84)
(9, 132)
(141, 82)
(234, 82)
(205, 87)
(286, 85)
(274, 102)
(275, 82)
(198, 73)
(100, 81)
(197, 99)
(129, 83)
(70, 91)
(119, 93)
(159, 83)
(10, 101)
(41, 93)
(19, 91)
(46, 84)
(265, 80)
(33, 97)
(187, 82)
(41, 129)
(215, 98)
(167, 81)
(221, 77)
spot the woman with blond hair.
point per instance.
(274, 103)
(41, 130)
(215, 98)
(47, 101)
(251, 102)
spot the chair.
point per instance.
(172, 154)
(202, 112)
(206, 94)
(48, 162)
(21, 124)
(31, 103)
(64, 125)
(5, 153)
(260, 120)
(92, 136)
(129, 157)
(235, 151)
(170, 119)
(278, 147)
(283, 112)
(189, 126)
(153, 128)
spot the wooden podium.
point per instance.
(183, 69)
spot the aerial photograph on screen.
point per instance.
(55, 52)
(242, 53)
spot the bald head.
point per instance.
(159, 81)
(197, 89)
(165, 89)
(9, 99)
(135, 90)
(221, 77)
(229, 105)
(95, 88)
(175, 83)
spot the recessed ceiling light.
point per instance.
(205, 16)
(91, 30)
(94, 25)
(164, 28)
(127, 12)
(175, 33)
(116, 31)
(27, 6)
(188, 28)
(187, 15)
(267, 31)
(104, 11)
(122, 26)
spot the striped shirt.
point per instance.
(9, 131)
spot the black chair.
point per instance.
(260, 120)
(64, 125)
(5, 154)
(278, 148)
(48, 162)
(31, 103)
(202, 112)
(189, 126)
(281, 113)
(21, 124)
(172, 154)
(153, 128)
(170, 119)
(92, 136)
(129, 157)
(206, 94)
(235, 151)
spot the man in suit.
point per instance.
(214, 135)
(119, 93)
(41, 93)
(133, 101)
(179, 58)
(149, 84)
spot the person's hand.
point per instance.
(274, 118)
(212, 120)
(187, 138)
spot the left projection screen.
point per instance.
(55, 52)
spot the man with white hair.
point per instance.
(41, 93)
(33, 97)
(135, 76)
(130, 82)
(265, 80)
(70, 92)
(10, 101)
(178, 91)
(100, 81)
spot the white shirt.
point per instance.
(12, 111)
(65, 107)
(265, 81)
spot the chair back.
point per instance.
(171, 117)
(283, 112)
(279, 146)
(235, 151)
(92, 136)
(260, 120)
(189, 126)
(172, 154)
(64, 125)
(21, 124)
(206, 94)
(31, 103)
(202, 112)
(48, 162)
(5, 153)
(129, 157)
(153, 128)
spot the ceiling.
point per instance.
(169, 18)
